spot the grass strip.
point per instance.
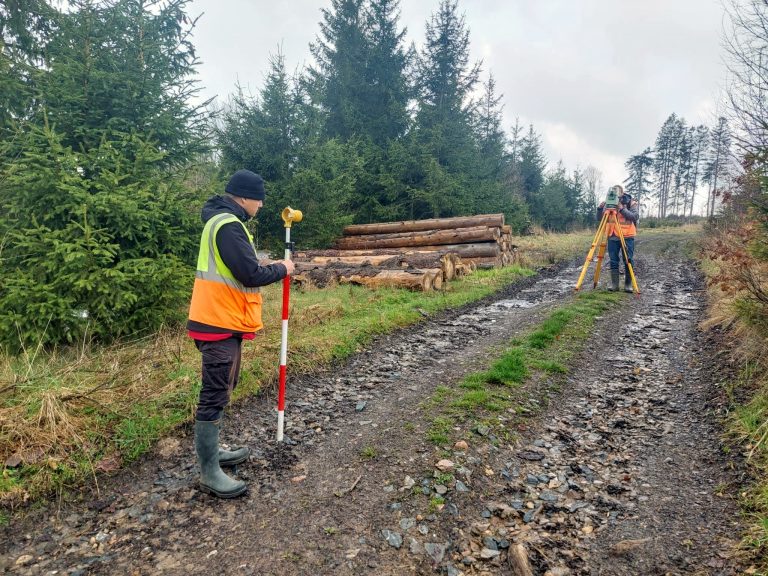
(494, 397)
(66, 415)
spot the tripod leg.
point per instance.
(600, 255)
(630, 269)
(595, 240)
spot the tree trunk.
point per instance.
(492, 220)
(423, 280)
(430, 238)
(413, 279)
(372, 260)
(470, 250)
(307, 254)
(486, 263)
(414, 260)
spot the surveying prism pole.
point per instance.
(289, 216)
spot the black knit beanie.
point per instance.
(246, 184)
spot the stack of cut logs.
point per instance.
(417, 254)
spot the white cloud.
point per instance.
(596, 77)
(561, 142)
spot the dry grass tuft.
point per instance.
(67, 413)
(738, 304)
(543, 248)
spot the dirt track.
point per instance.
(619, 474)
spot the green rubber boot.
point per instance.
(212, 479)
(614, 281)
(229, 458)
(628, 283)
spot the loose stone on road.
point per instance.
(618, 475)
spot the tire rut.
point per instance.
(618, 476)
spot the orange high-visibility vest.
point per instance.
(218, 298)
(628, 228)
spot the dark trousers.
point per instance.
(221, 370)
(614, 250)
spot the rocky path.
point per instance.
(620, 474)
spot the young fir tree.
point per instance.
(100, 253)
(100, 232)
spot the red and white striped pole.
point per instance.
(289, 216)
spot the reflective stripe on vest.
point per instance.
(210, 266)
(220, 300)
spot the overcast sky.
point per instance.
(596, 78)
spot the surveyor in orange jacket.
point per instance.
(225, 310)
(628, 213)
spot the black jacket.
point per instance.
(236, 251)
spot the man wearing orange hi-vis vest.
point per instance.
(627, 213)
(225, 310)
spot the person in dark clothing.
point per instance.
(628, 213)
(225, 310)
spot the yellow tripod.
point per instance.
(610, 216)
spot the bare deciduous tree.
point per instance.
(593, 182)
(747, 46)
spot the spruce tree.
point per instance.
(100, 231)
(532, 166)
(489, 133)
(260, 133)
(700, 139)
(552, 208)
(717, 168)
(342, 53)
(512, 178)
(682, 169)
(387, 86)
(445, 81)
(488, 172)
(665, 161)
(25, 26)
(125, 67)
(593, 193)
(639, 181)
